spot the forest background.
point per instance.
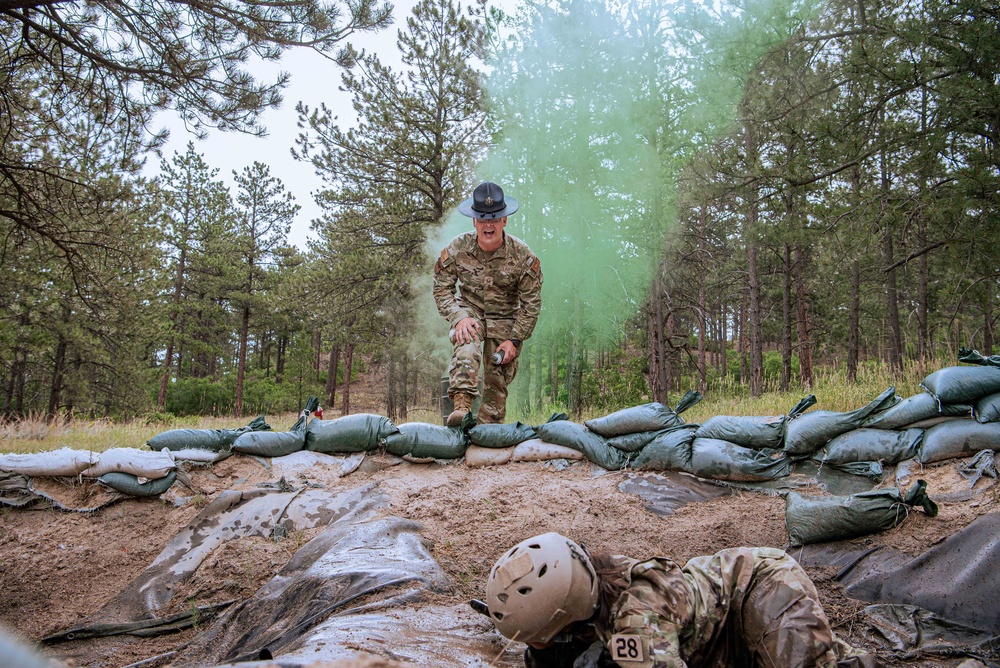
(740, 197)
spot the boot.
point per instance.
(463, 404)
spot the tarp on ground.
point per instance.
(917, 408)
(204, 439)
(810, 431)
(232, 514)
(360, 564)
(753, 432)
(663, 493)
(647, 417)
(909, 632)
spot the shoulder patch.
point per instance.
(536, 266)
(444, 255)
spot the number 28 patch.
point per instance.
(625, 647)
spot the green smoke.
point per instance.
(595, 108)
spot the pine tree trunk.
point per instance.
(331, 378)
(854, 318)
(786, 320)
(241, 362)
(345, 406)
(803, 320)
(58, 374)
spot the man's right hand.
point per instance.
(466, 330)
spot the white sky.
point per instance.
(314, 79)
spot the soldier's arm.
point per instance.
(529, 291)
(445, 280)
(645, 640)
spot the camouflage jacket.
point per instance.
(679, 615)
(503, 289)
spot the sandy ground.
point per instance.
(57, 567)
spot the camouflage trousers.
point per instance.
(463, 374)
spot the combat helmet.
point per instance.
(540, 586)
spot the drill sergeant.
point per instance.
(499, 296)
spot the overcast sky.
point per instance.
(314, 79)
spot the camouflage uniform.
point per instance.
(502, 290)
(740, 607)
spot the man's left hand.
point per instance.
(509, 351)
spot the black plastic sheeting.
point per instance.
(957, 578)
(665, 492)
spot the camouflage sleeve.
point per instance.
(659, 638)
(656, 607)
(445, 280)
(529, 291)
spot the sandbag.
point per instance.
(126, 483)
(962, 384)
(537, 450)
(140, 463)
(477, 456)
(987, 409)
(722, 460)
(635, 442)
(871, 470)
(361, 432)
(423, 440)
(975, 357)
(579, 438)
(809, 432)
(670, 451)
(648, 417)
(817, 519)
(958, 438)
(500, 435)
(913, 409)
(867, 445)
(201, 456)
(204, 439)
(275, 443)
(753, 432)
(61, 462)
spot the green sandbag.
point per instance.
(422, 440)
(872, 470)
(809, 432)
(500, 435)
(204, 439)
(670, 451)
(637, 441)
(987, 409)
(958, 438)
(361, 432)
(126, 483)
(648, 417)
(576, 436)
(817, 519)
(274, 443)
(753, 432)
(872, 445)
(962, 384)
(913, 409)
(975, 357)
(722, 460)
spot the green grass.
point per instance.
(726, 397)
